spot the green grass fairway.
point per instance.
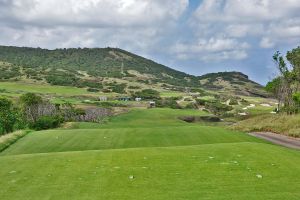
(97, 139)
(21, 87)
(147, 154)
(218, 171)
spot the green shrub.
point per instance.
(217, 108)
(118, 88)
(8, 116)
(92, 90)
(233, 101)
(47, 122)
(134, 87)
(148, 94)
(168, 103)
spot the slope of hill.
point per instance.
(99, 67)
(235, 82)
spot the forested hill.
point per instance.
(95, 62)
(86, 67)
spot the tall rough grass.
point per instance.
(279, 123)
(9, 139)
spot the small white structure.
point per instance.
(103, 98)
(138, 99)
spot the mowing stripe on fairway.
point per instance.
(94, 139)
(215, 171)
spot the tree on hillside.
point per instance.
(7, 116)
(29, 105)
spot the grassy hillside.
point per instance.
(234, 82)
(280, 123)
(79, 66)
(147, 154)
(110, 69)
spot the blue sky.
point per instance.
(196, 37)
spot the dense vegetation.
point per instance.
(87, 68)
(63, 66)
(33, 112)
(286, 87)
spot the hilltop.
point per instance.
(101, 67)
(235, 82)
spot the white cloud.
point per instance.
(241, 18)
(271, 22)
(212, 49)
(136, 25)
(94, 13)
(266, 43)
(218, 30)
(246, 10)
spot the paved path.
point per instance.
(283, 140)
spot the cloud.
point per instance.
(213, 33)
(246, 10)
(250, 17)
(240, 24)
(266, 43)
(92, 13)
(136, 25)
(212, 49)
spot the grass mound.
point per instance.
(279, 123)
(97, 139)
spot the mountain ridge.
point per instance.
(88, 67)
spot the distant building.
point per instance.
(138, 99)
(103, 98)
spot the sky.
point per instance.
(194, 36)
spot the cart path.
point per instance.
(283, 140)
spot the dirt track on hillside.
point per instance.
(283, 140)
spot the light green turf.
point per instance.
(168, 159)
(218, 172)
(19, 87)
(152, 118)
(93, 139)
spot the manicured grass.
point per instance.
(250, 171)
(152, 118)
(94, 139)
(19, 87)
(147, 154)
